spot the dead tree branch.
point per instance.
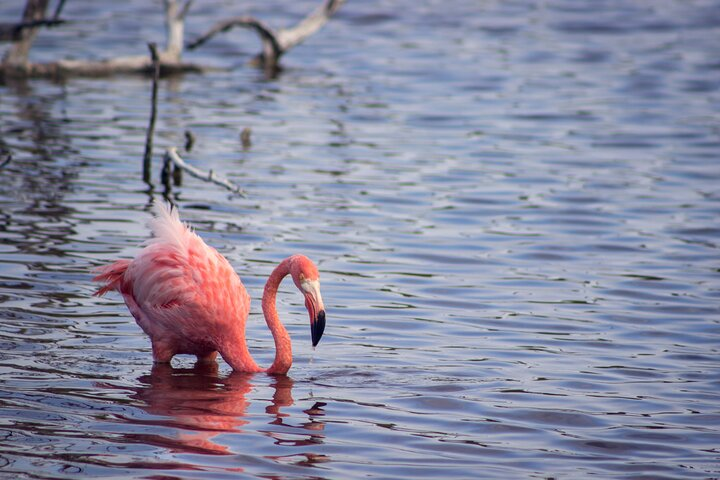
(271, 47)
(275, 44)
(147, 158)
(58, 10)
(10, 32)
(17, 55)
(16, 61)
(288, 38)
(172, 157)
(175, 27)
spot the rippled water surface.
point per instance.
(514, 206)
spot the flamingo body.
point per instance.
(188, 299)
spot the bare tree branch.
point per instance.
(267, 35)
(185, 9)
(58, 10)
(10, 32)
(275, 44)
(171, 156)
(175, 26)
(130, 65)
(17, 55)
(147, 157)
(288, 38)
(16, 64)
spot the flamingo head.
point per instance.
(307, 279)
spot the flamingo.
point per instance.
(188, 299)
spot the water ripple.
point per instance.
(513, 207)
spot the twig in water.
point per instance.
(245, 138)
(171, 155)
(5, 160)
(147, 158)
(166, 174)
(189, 140)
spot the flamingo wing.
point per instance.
(180, 287)
(193, 295)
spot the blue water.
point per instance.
(515, 211)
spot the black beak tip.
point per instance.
(317, 327)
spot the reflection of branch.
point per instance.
(5, 160)
(171, 156)
(275, 44)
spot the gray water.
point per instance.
(514, 206)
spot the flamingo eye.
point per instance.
(310, 286)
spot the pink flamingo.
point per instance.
(188, 299)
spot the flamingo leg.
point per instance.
(162, 352)
(207, 357)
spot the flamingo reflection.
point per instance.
(198, 405)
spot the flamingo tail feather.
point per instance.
(112, 275)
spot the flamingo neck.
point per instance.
(283, 347)
(236, 353)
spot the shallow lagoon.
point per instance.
(514, 207)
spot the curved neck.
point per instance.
(283, 348)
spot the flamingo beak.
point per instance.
(317, 327)
(316, 309)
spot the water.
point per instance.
(514, 207)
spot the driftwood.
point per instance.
(275, 43)
(173, 161)
(16, 63)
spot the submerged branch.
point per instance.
(172, 157)
(131, 65)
